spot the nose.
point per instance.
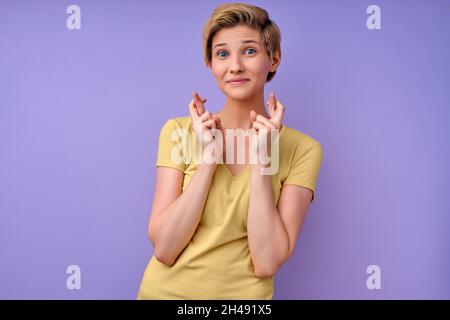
(236, 65)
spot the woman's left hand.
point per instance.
(262, 128)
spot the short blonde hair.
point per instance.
(232, 14)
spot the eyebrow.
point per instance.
(244, 41)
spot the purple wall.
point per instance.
(81, 110)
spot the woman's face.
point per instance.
(239, 52)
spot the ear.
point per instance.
(275, 61)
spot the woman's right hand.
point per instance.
(202, 123)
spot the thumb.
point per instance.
(217, 121)
(253, 115)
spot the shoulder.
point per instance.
(181, 122)
(296, 140)
(175, 123)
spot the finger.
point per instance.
(208, 123)
(272, 104)
(199, 103)
(270, 109)
(279, 114)
(205, 116)
(206, 132)
(259, 126)
(201, 98)
(213, 127)
(193, 110)
(218, 123)
(253, 126)
(265, 121)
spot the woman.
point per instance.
(221, 230)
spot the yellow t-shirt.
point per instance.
(216, 264)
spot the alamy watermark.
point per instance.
(374, 20)
(74, 20)
(73, 281)
(264, 148)
(374, 280)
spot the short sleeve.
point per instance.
(170, 146)
(305, 167)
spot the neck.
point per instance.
(236, 113)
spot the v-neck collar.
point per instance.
(249, 165)
(238, 174)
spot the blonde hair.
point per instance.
(232, 14)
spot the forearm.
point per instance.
(175, 225)
(267, 236)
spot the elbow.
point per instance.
(269, 270)
(164, 258)
(161, 255)
(265, 272)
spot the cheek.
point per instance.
(256, 66)
(217, 69)
(260, 67)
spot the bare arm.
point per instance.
(272, 232)
(267, 237)
(176, 214)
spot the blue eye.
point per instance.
(222, 51)
(218, 53)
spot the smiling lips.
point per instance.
(237, 81)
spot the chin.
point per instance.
(235, 96)
(239, 93)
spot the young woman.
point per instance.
(221, 230)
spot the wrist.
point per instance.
(207, 166)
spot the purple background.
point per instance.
(81, 110)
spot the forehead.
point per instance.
(236, 34)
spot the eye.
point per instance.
(218, 54)
(251, 49)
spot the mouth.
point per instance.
(238, 82)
